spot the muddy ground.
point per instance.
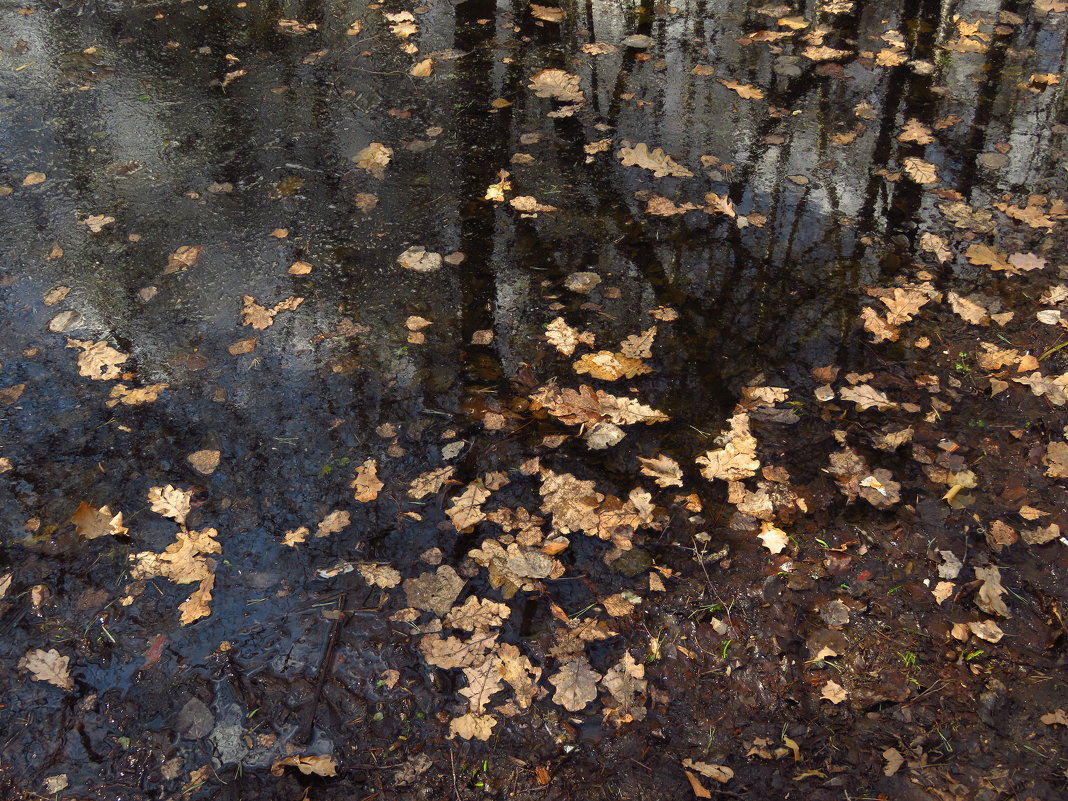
(472, 401)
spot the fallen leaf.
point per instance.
(333, 523)
(430, 482)
(34, 178)
(296, 536)
(576, 684)
(183, 258)
(377, 575)
(744, 91)
(737, 458)
(894, 761)
(422, 69)
(774, 539)
(915, 131)
(557, 84)
(547, 13)
(183, 561)
(472, 727)
(50, 666)
(120, 393)
(990, 591)
(96, 222)
(1056, 460)
(366, 482)
(834, 692)
(530, 205)
(866, 397)
(374, 158)
(91, 523)
(657, 161)
(466, 510)
(435, 592)
(608, 366)
(204, 462)
(664, 470)
(315, 764)
(920, 171)
(196, 605)
(98, 360)
(565, 338)
(171, 502)
(718, 773)
(1058, 718)
(418, 259)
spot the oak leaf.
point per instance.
(98, 360)
(315, 764)
(374, 158)
(196, 605)
(664, 470)
(434, 592)
(576, 684)
(920, 171)
(565, 338)
(418, 259)
(472, 727)
(50, 666)
(477, 614)
(557, 84)
(608, 366)
(91, 523)
(377, 575)
(744, 91)
(656, 160)
(466, 510)
(171, 502)
(333, 523)
(366, 482)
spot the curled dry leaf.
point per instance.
(990, 591)
(366, 482)
(50, 666)
(91, 523)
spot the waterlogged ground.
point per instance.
(472, 401)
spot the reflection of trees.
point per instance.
(755, 291)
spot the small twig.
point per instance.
(304, 735)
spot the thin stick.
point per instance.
(324, 668)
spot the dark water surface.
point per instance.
(136, 111)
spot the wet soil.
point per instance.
(240, 131)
